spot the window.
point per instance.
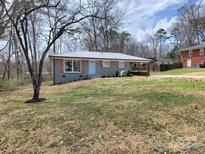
(190, 53)
(106, 64)
(72, 66)
(201, 53)
(121, 64)
(68, 66)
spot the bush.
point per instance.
(13, 84)
(129, 73)
(117, 74)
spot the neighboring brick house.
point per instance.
(193, 56)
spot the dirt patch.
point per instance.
(113, 140)
(177, 76)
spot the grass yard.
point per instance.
(120, 115)
(185, 71)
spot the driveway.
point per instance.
(178, 76)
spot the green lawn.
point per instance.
(120, 115)
(186, 71)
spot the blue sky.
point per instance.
(145, 17)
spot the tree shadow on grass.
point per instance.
(35, 101)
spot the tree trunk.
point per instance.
(4, 74)
(36, 92)
(17, 60)
(9, 57)
(21, 66)
(18, 65)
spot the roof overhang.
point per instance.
(110, 59)
(193, 48)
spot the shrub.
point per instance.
(117, 74)
(129, 73)
(12, 84)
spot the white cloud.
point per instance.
(161, 23)
(141, 17)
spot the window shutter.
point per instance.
(82, 66)
(62, 65)
(127, 65)
(101, 64)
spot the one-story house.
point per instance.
(81, 65)
(193, 56)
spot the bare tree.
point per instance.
(191, 23)
(22, 24)
(153, 42)
(3, 21)
(98, 32)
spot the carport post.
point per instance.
(54, 71)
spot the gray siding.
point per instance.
(109, 72)
(61, 77)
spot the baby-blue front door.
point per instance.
(92, 67)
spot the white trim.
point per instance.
(64, 60)
(69, 58)
(189, 63)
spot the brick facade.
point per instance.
(195, 59)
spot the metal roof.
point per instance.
(193, 47)
(100, 55)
